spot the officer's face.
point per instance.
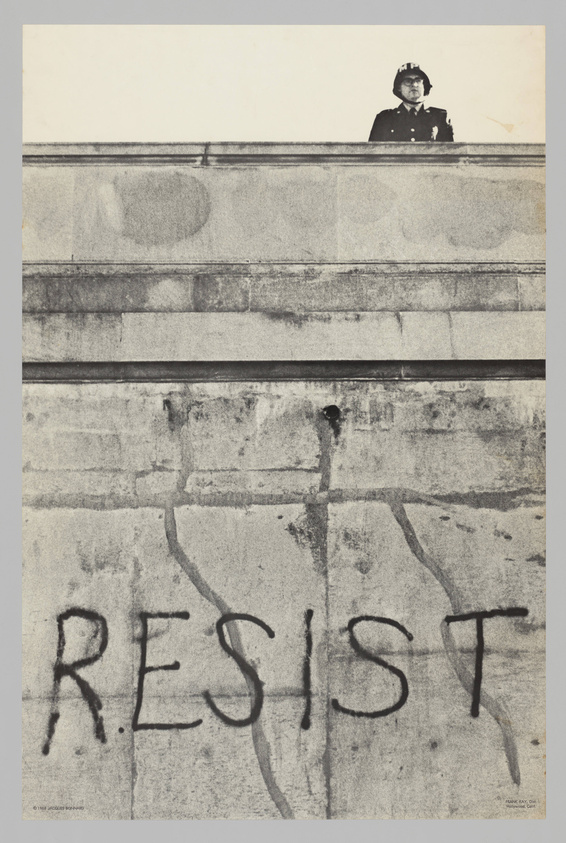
(412, 88)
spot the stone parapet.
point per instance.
(320, 203)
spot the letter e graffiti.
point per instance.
(144, 669)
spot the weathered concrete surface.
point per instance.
(312, 492)
(422, 500)
(283, 336)
(283, 205)
(283, 252)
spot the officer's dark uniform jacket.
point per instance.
(398, 124)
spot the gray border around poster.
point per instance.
(249, 12)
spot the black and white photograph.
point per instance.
(283, 422)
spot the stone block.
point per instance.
(400, 213)
(275, 214)
(87, 408)
(251, 336)
(315, 288)
(215, 772)
(495, 557)
(408, 291)
(372, 571)
(71, 336)
(78, 558)
(424, 749)
(532, 292)
(498, 336)
(47, 225)
(426, 336)
(221, 292)
(278, 553)
(81, 778)
(283, 336)
(495, 405)
(482, 290)
(93, 292)
(473, 559)
(72, 450)
(150, 214)
(439, 463)
(444, 438)
(77, 427)
(156, 483)
(251, 429)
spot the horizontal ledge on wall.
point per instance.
(321, 370)
(110, 267)
(282, 288)
(285, 154)
(212, 337)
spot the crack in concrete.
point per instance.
(325, 433)
(133, 763)
(502, 501)
(259, 739)
(494, 708)
(400, 514)
(260, 742)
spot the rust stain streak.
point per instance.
(261, 745)
(260, 742)
(494, 708)
(320, 515)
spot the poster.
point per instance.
(297, 380)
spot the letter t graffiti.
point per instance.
(479, 618)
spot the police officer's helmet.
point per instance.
(404, 70)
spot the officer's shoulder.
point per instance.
(434, 110)
(388, 112)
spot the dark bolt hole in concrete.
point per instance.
(332, 413)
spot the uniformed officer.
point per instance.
(412, 121)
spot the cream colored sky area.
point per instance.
(274, 83)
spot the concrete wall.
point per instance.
(302, 384)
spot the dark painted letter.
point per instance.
(136, 725)
(306, 721)
(252, 679)
(354, 643)
(61, 669)
(479, 618)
